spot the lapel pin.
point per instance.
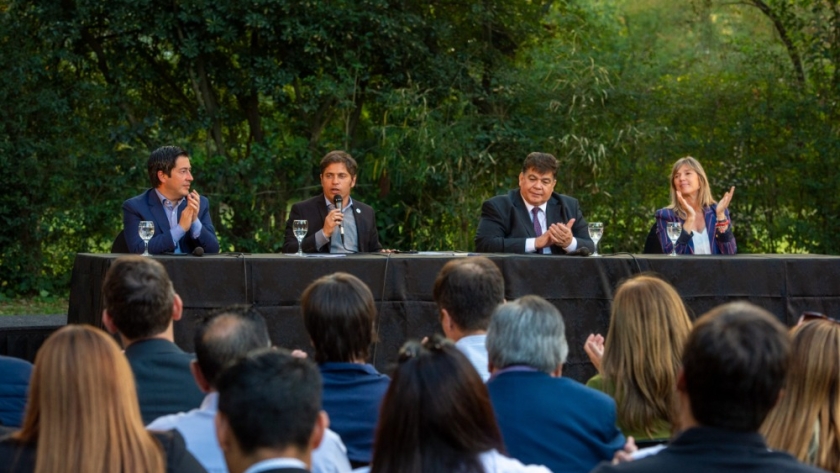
(358, 211)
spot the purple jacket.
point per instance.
(721, 243)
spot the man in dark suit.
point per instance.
(533, 218)
(545, 419)
(270, 416)
(181, 217)
(734, 366)
(141, 305)
(350, 229)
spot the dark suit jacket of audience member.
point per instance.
(147, 206)
(315, 210)
(165, 384)
(18, 458)
(14, 385)
(506, 223)
(555, 422)
(352, 396)
(706, 449)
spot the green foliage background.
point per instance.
(439, 102)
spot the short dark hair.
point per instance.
(226, 335)
(270, 399)
(540, 162)
(470, 290)
(340, 157)
(338, 312)
(163, 159)
(434, 388)
(138, 296)
(734, 363)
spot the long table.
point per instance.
(402, 284)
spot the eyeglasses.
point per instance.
(808, 316)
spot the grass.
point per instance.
(34, 306)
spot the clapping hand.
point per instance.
(723, 204)
(594, 348)
(691, 215)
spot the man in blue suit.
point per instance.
(181, 217)
(545, 419)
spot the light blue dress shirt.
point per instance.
(171, 210)
(199, 432)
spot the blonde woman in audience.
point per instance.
(639, 361)
(806, 421)
(82, 414)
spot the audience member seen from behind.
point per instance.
(437, 417)
(545, 419)
(222, 338)
(806, 421)
(734, 367)
(338, 313)
(639, 363)
(270, 416)
(82, 414)
(141, 305)
(14, 384)
(467, 291)
(706, 228)
(181, 216)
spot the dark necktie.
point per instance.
(537, 228)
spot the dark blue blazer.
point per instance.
(165, 384)
(505, 223)
(707, 449)
(352, 395)
(147, 206)
(14, 385)
(556, 422)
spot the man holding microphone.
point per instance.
(337, 223)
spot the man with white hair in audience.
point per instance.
(221, 339)
(545, 419)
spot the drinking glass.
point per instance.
(147, 231)
(300, 227)
(596, 231)
(674, 232)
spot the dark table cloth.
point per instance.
(402, 284)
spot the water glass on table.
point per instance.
(596, 231)
(300, 227)
(146, 231)
(674, 232)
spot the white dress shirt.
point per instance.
(530, 243)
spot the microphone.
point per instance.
(198, 251)
(582, 251)
(338, 202)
